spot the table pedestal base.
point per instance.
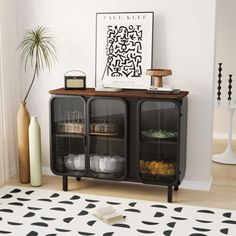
(228, 157)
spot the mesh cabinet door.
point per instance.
(107, 118)
(68, 133)
(158, 141)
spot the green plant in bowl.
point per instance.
(158, 133)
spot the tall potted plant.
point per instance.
(39, 51)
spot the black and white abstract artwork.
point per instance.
(36, 212)
(124, 49)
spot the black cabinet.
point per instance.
(119, 136)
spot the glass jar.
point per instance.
(105, 127)
(60, 124)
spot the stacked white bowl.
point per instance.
(98, 163)
(75, 161)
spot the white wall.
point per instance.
(225, 53)
(183, 41)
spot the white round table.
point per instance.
(228, 156)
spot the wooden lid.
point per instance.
(158, 72)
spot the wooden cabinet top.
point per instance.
(125, 93)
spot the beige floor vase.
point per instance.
(23, 120)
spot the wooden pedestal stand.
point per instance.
(157, 75)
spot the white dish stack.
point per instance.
(75, 161)
(98, 163)
(109, 164)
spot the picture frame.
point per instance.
(124, 42)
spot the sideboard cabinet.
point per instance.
(124, 136)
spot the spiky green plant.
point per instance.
(38, 48)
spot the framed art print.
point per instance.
(124, 49)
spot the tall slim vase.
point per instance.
(23, 120)
(35, 152)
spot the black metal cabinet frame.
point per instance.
(131, 140)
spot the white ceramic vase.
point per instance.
(35, 152)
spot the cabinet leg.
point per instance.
(176, 188)
(169, 197)
(78, 178)
(65, 183)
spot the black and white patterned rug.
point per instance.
(32, 211)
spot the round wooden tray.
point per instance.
(158, 72)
